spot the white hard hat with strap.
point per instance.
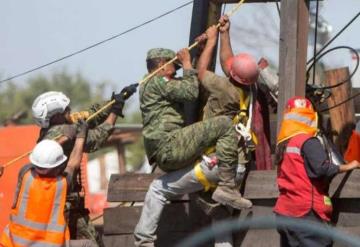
(47, 105)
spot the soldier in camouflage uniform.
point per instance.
(170, 144)
(58, 124)
(224, 98)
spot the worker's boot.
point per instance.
(227, 193)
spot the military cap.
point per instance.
(160, 53)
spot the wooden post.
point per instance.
(205, 13)
(121, 157)
(342, 117)
(293, 50)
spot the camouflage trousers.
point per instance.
(182, 147)
(81, 227)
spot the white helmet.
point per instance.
(47, 105)
(47, 154)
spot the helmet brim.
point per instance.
(47, 166)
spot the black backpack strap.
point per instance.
(21, 175)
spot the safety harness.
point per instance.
(242, 122)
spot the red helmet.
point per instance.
(298, 102)
(243, 69)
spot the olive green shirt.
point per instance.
(162, 106)
(223, 96)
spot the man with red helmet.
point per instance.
(304, 174)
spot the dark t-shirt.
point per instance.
(317, 163)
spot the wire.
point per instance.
(343, 81)
(339, 104)
(96, 44)
(333, 38)
(278, 8)
(315, 39)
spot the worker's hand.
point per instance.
(211, 33)
(81, 129)
(201, 38)
(76, 116)
(185, 58)
(127, 91)
(357, 164)
(118, 106)
(224, 24)
(1, 170)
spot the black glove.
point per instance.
(81, 129)
(118, 106)
(126, 92)
(120, 98)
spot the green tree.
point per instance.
(15, 98)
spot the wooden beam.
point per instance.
(294, 26)
(121, 157)
(342, 117)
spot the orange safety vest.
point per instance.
(37, 218)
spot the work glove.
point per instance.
(120, 98)
(128, 91)
(76, 116)
(81, 129)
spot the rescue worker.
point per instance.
(304, 174)
(37, 216)
(52, 113)
(203, 176)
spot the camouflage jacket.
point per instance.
(97, 134)
(162, 106)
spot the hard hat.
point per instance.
(297, 102)
(47, 154)
(243, 69)
(47, 105)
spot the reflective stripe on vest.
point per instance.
(25, 242)
(31, 225)
(293, 150)
(299, 118)
(52, 225)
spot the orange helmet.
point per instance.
(298, 102)
(243, 68)
(299, 117)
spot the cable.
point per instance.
(315, 39)
(268, 222)
(278, 8)
(96, 44)
(339, 104)
(343, 81)
(333, 38)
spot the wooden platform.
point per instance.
(183, 217)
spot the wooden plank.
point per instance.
(176, 217)
(128, 240)
(259, 185)
(294, 24)
(129, 187)
(342, 117)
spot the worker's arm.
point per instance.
(77, 152)
(225, 44)
(184, 89)
(317, 163)
(206, 55)
(349, 166)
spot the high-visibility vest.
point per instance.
(37, 218)
(298, 194)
